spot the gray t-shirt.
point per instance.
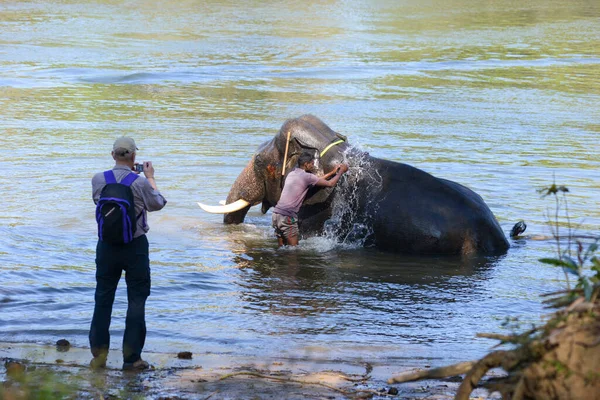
(294, 191)
(145, 198)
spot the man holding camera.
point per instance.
(127, 253)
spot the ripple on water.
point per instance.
(500, 100)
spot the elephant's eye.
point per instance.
(258, 160)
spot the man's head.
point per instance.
(124, 150)
(306, 161)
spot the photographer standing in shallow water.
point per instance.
(123, 199)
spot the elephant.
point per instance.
(389, 205)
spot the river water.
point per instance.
(500, 96)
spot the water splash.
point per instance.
(354, 205)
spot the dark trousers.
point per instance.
(111, 260)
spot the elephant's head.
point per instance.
(261, 181)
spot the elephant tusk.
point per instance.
(226, 209)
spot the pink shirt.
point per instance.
(294, 191)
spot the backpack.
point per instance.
(115, 211)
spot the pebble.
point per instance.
(63, 345)
(184, 355)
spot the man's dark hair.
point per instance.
(304, 158)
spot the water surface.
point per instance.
(499, 96)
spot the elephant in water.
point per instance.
(390, 205)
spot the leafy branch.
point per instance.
(574, 262)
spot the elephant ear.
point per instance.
(300, 147)
(296, 147)
(304, 145)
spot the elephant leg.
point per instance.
(469, 246)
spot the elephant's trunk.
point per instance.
(246, 187)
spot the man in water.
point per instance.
(132, 257)
(297, 183)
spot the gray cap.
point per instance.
(125, 143)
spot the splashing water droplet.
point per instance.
(354, 205)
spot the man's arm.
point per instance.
(324, 182)
(149, 173)
(152, 198)
(331, 173)
(97, 184)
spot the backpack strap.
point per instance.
(109, 177)
(129, 179)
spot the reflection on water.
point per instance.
(499, 96)
(349, 273)
(351, 296)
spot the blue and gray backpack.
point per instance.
(115, 211)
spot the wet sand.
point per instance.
(218, 376)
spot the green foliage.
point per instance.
(592, 377)
(26, 382)
(574, 262)
(37, 384)
(561, 368)
(577, 267)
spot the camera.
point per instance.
(138, 167)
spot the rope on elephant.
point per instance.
(326, 149)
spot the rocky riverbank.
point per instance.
(64, 372)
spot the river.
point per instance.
(500, 96)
